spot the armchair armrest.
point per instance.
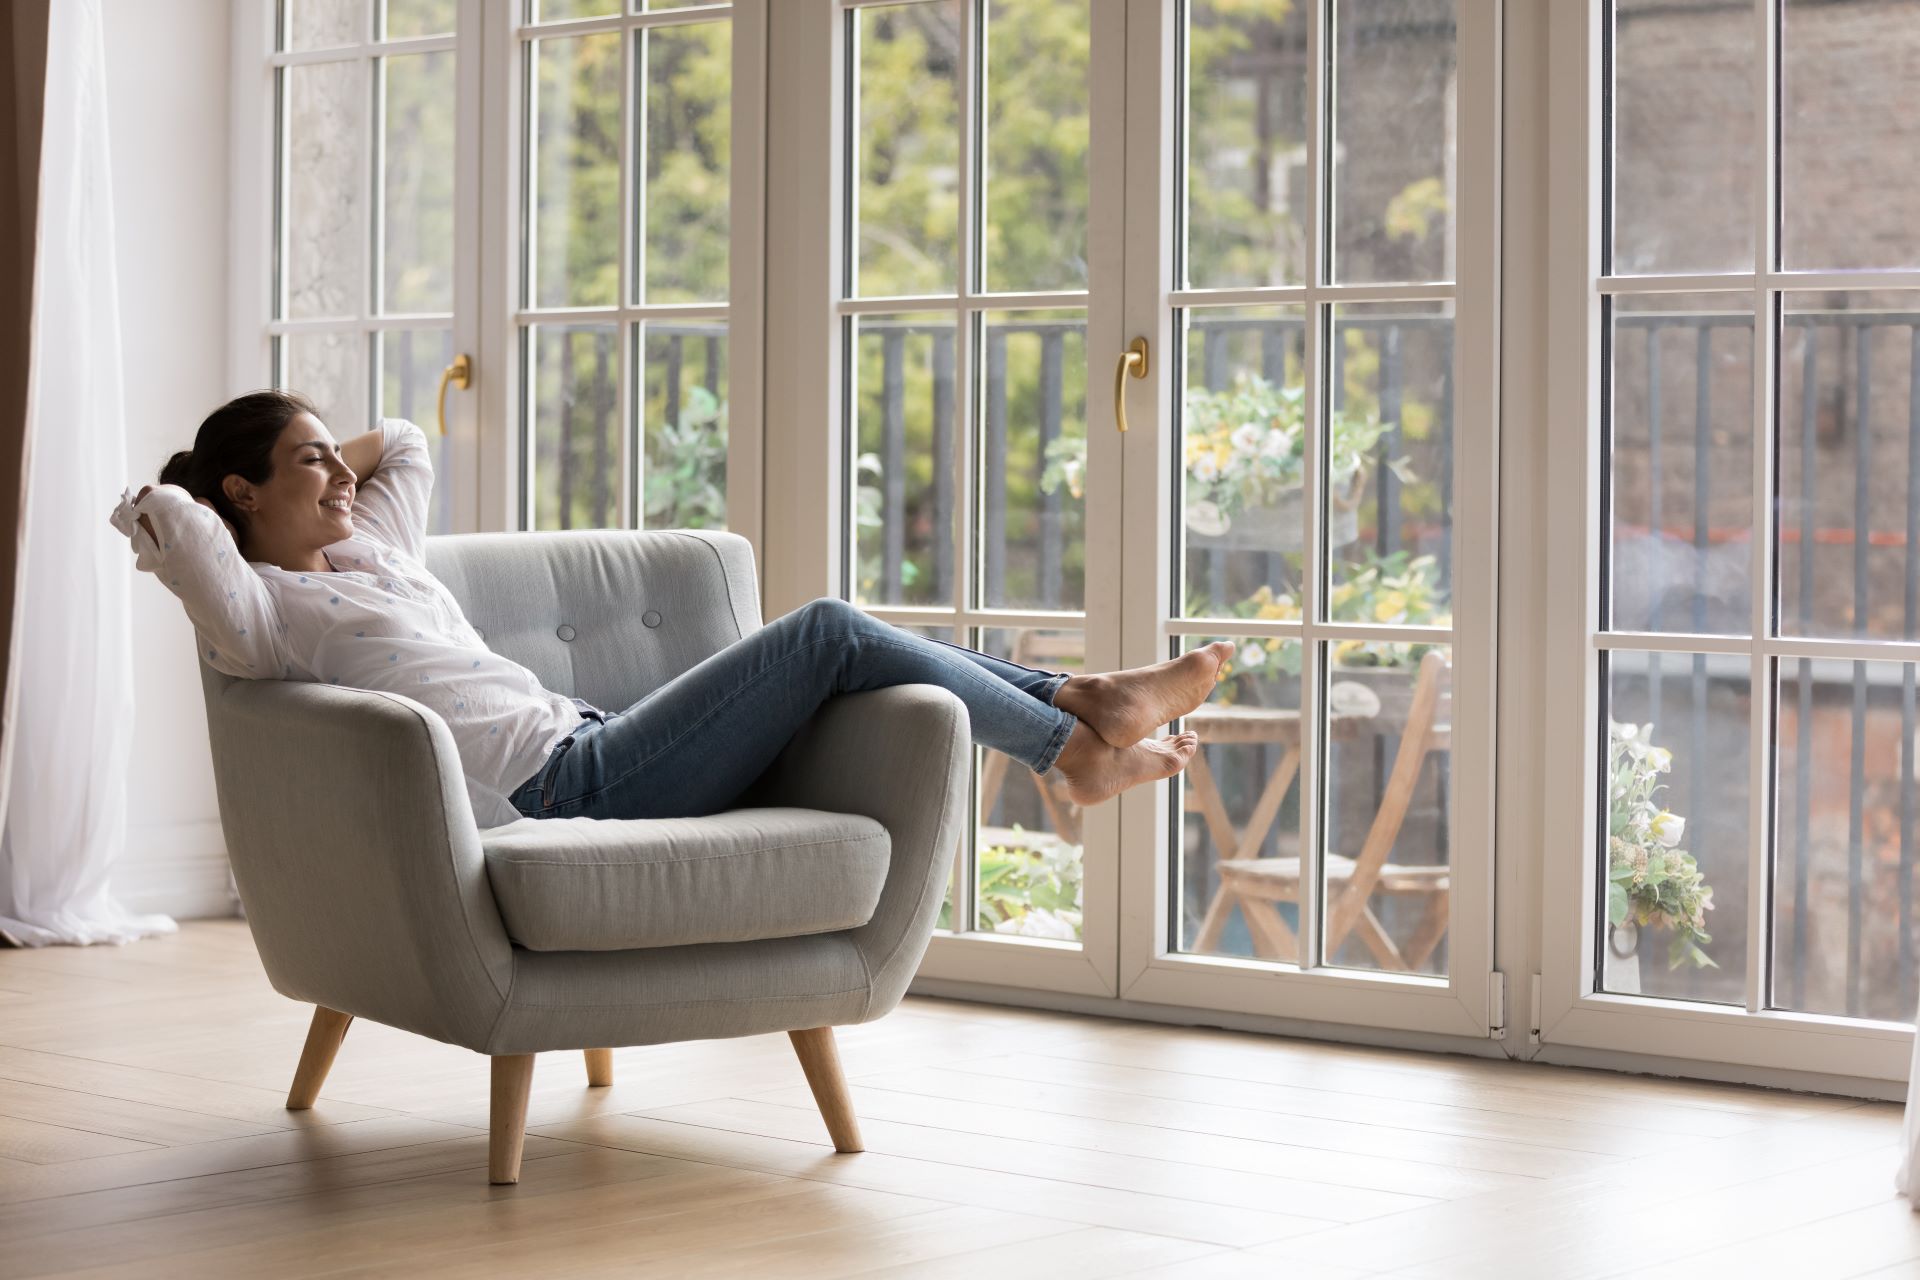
(898, 756)
(354, 848)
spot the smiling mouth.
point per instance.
(341, 505)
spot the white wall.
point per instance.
(167, 76)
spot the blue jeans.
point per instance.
(693, 745)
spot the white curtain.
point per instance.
(66, 810)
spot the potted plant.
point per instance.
(1245, 466)
(1400, 588)
(1651, 880)
(1029, 890)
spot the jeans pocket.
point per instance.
(552, 773)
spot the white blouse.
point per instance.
(378, 620)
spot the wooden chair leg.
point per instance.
(324, 1034)
(1272, 940)
(507, 1121)
(1214, 922)
(821, 1061)
(599, 1068)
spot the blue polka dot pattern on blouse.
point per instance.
(493, 730)
(393, 657)
(333, 600)
(476, 662)
(359, 633)
(303, 577)
(425, 678)
(210, 653)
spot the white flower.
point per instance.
(1252, 655)
(1245, 438)
(1040, 923)
(1276, 444)
(1204, 468)
(1668, 828)
(1660, 758)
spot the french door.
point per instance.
(1157, 323)
(1736, 556)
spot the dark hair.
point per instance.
(236, 439)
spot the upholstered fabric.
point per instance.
(587, 884)
(366, 883)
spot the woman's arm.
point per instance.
(187, 546)
(362, 453)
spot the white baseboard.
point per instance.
(179, 868)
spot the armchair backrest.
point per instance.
(605, 615)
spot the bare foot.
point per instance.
(1125, 706)
(1095, 771)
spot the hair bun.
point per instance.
(178, 468)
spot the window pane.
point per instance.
(685, 424)
(903, 482)
(689, 77)
(1684, 147)
(1243, 446)
(1681, 464)
(329, 369)
(1847, 130)
(907, 138)
(1237, 858)
(576, 171)
(1032, 468)
(407, 18)
(1674, 888)
(561, 10)
(1246, 143)
(410, 365)
(1389, 464)
(323, 24)
(1843, 925)
(418, 175)
(1388, 787)
(1848, 544)
(1036, 145)
(575, 400)
(1028, 853)
(1393, 139)
(326, 217)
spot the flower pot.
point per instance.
(1620, 970)
(1280, 525)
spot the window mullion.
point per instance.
(1318, 396)
(630, 337)
(1760, 756)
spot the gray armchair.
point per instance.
(371, 893)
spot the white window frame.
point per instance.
(1846, 1053)
(485, 423)
(257, 132)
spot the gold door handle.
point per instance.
(460, 374)
(1132, 361)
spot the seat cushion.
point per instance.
(602, 884)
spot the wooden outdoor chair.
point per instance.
(1255, 884)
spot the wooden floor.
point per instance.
(143, 1133)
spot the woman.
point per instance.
(300, 558)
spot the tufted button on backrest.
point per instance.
(564, 631)
(651, 617)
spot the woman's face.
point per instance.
(306, 502)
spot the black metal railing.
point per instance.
(1822, 418)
